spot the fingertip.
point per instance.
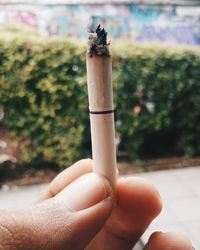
(137, 204)
(169, 240)
(87, 162)
(143, 194)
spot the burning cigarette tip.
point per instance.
(97, 42)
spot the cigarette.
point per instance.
(100, 95)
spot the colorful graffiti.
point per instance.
(178, 34)
(139, 23)
(27, 17)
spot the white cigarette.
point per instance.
(100, 94)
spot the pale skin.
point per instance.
(79, 211)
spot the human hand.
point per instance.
(79, 211)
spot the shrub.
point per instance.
(162, 85)
(44, 98)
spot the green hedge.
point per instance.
(43, 94)
(164, 81)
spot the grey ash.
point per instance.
(97, 42)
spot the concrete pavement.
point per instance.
(17, 197)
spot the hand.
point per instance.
(79, 211)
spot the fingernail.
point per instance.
(85, 192)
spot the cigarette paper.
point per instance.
(100, 94)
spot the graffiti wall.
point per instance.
(176, 24)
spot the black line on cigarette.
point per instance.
(101, 112)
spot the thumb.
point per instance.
(68, 221)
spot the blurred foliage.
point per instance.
(17, 30)
(43, 96)
(43, 93)
(158, 99)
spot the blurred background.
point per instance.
(43, 94)
(44, 122)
